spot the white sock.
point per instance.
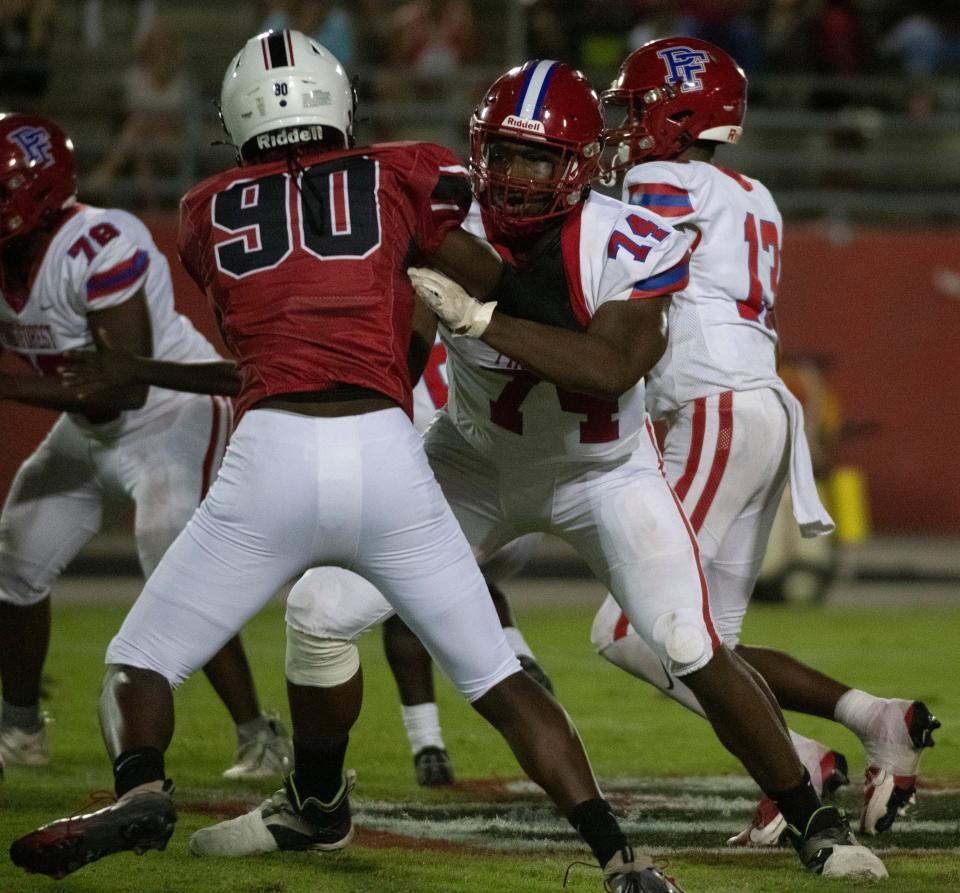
(517, 642)
(810, 753)
(857, 710)
(422, 722)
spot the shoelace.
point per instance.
(660, 866)
(566, 874)
(98, 799)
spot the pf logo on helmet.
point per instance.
(683, 65)
(35, 144)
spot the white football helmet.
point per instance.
(284, 81)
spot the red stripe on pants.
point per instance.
(720, 456)
(696, 447)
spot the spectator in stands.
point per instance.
(788, 35)
(26, 30)
(725, 23)
(432, 37)
(92, 21)
(921, 42)
(549, 35)
(157, 97)
(840, 41)
(327, 23)
(654, 19)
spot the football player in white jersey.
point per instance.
(71, 275)
(734, 432)
(545, 428)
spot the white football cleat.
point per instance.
(765, 828)
(827, 847)
(894, 746)
(767, 825)
(24, 748)
(282, 822)
(268, 755)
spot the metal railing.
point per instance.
(866, 158)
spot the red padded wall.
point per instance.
(883, 307)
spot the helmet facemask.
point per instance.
(641, 114)
(522, 204)
(545, 109)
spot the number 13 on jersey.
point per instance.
(760, 238)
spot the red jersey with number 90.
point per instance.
(306, 266)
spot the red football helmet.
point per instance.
(541, 103)
(675, 91)
(37, 175)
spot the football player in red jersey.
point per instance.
(303, 252)
(70, 276)
(735, 433)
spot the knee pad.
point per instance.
(684, 641)
(320, 663)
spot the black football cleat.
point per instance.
(137, 822)
(433, 767)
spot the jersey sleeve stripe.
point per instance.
(674, 279)
(665, 200)
(119, 277)
(664, 205)
(658, 189)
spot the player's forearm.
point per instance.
(49, 393)
(218, 377)
(470, 261)
(576, 361)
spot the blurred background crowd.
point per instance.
(854, 104)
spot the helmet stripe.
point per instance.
(289, 46)
(530, 101)
(263, 49)
(277, 45)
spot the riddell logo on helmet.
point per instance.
(524, 124)
(289, 137)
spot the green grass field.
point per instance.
(679, 792)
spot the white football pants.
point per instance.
(298, 491)
(55, 504)
(622, 517)
(727, 457)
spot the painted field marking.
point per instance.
(670, 815)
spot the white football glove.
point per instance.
(458, 311)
